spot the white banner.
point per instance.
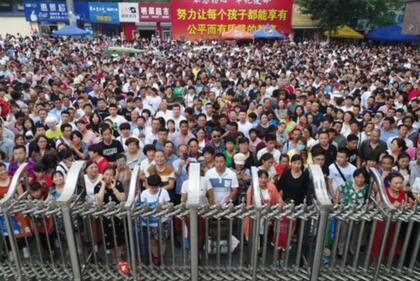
(129, 12)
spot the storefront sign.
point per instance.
(36, 11)
(156, 12)
(129, 12)
(198, 19)
(82, 11)
(101, 12)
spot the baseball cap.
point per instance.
(239, 159)
(50, 119)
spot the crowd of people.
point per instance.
(277, 106)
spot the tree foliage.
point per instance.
(333, 13)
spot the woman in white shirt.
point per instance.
(133, 152)
(92, 178)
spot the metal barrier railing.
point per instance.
(69, 237)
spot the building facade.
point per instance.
(128, 19)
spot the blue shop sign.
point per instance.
(82, 11)
(104, 12)
(42, 11)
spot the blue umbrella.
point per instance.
(391, 33)
(70, 30)
(268, 32)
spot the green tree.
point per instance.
(333, 13)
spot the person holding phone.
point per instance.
(123, 172)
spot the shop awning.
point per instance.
(70, 30)
(237, 34)
(391, 33)
(345, 32)
(268, 32)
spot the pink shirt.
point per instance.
(90, 138)
(253, 144)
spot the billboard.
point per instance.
(128, 12)
(208, 19)
(101, 12)
(154, 12)
(43, 11)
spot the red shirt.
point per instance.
(279, 169)
(47, 183)
(102, 165)
(414, 93)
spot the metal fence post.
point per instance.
(71, 242)
(324, 202)
(13, 245)
(128, 205)
(388, 209)
(192, 204)
(320, 241)
(65, 200)
(256, 202)
(4, 204)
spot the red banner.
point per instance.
(208, 19)
(155, 12)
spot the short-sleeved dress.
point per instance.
(109, 196)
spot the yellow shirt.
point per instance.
(53, 134)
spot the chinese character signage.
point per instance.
(198, 19)
(101, 12)
(129, 12)
(156, 12)
(43, 11)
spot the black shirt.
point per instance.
(294, 189)
(366, 150)
(103, 113)
(353, 156)
(250, 161)
(263, 132)
(330, 155)
(109, 195)
(110, 152)
(126, 113)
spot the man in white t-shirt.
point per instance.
(152, 100)
(243, 124)
(222, 180)
(340, 171)
(164, 111)
(270, 142)
(176, 115)
(116, 119)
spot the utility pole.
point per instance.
(71, 13)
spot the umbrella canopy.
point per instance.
(268, 32)
(237, 34)
(391, 33)
(70, 30)
(345, 32)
